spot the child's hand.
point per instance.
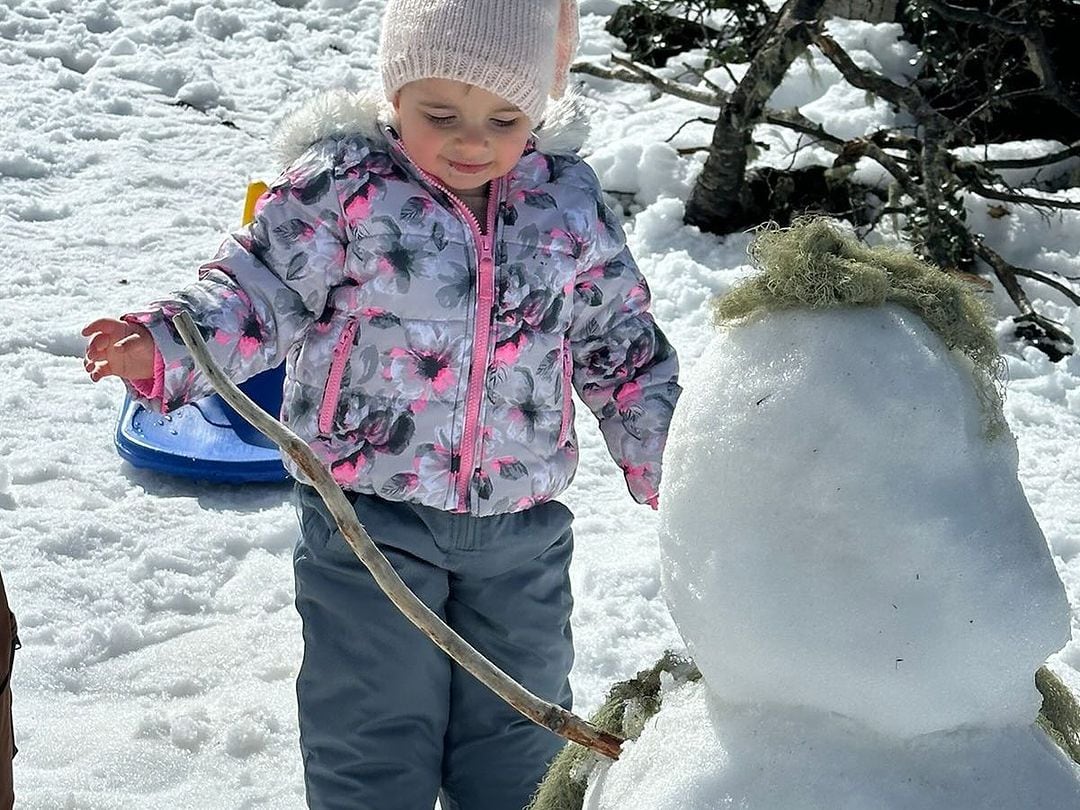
(119, 349)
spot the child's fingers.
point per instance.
(118, 349)
(95, 369)
(107, 326)
(100, 346)
(105, 357)
(95, 364)
(99, 359)
(106, 367)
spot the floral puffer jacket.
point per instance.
(430, 357)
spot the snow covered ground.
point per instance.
(160, 641)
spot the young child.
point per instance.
(436, 283)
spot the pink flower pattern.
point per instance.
(364, 275)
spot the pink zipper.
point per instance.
(567, 393)
(485, 298)
(337, 370)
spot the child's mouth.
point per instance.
(468, 168)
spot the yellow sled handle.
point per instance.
(254, 191)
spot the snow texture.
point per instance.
(831, 499)
(160, 643)
(694, 756)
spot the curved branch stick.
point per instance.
(555, 718)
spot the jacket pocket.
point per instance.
(332, 393)
(567, 394)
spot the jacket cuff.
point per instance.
(153, 387)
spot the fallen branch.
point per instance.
(1022, 199)
(1049, 282)
(905, 97)
(926, 168)
(1040, 330)
(554, 718)
(1022, 163)
(634, 73)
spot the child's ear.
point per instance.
(396, 102)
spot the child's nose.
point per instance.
(474, 138)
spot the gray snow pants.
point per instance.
(387, 720)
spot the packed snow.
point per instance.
(833, 499)
(160, 643)
(842, 537)
(694, 756)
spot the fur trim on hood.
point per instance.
(342, 112)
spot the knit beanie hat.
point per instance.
(520, 50)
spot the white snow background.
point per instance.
(160, 643)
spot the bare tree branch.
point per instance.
(1006, 273)
(730, 73)
(997, 100)
(892, 139)
(979, 18)
(636, 74)
(907, 98)
(688, 122)
(866, 147)
(1073, 150)
(1068, 292)
(794, 120)
(1022, 199)
(700, 74)
(1038, 54)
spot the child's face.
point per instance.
(460, 133)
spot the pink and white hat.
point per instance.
(520, 50)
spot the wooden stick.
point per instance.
(555, 718)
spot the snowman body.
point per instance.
(855, 569)
(698, 754)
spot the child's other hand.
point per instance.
(117, 348)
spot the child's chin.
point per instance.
(466, 185)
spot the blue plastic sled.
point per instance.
(206, 439)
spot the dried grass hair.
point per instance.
(628, 707)
(813, 265)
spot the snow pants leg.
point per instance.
(387, 721)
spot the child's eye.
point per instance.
(439, 120)
(499, 122)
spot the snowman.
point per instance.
(849, 556)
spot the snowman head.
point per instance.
(815, 266)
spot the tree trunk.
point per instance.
(717, 201)
(873, 11)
